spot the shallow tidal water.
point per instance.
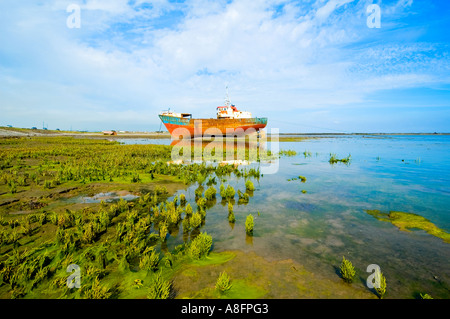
(389, 173)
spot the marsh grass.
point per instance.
(300, 177)
(223, 283)
(249, 187)
(159, 288)
(334, 159)
(287, 153)
(196, 220)
(231, 217)
(249, 224)
(96, 290)
(210, 193)
(307, 154)
(229, 192)
(149, 260)
(188, 210)
(112, 242)
(347, 270)
(381, 289)
(200, 246)
(183, 200)
(243, 197)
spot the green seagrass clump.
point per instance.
(231, 217)
(159, 288)
(149, 260)
(243, 197)
(210, 193)
(196, 220)
(227, 193)
(249, 186)
(182, 200)
(223, 283)
(249, 223)
(381, 289)
(347, 270)
(333, 159)
(200, 246)
(96, 290)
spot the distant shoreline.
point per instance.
(25, 132)
(309, 134)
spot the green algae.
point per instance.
(242, 289)
(253, 276)
(190, 272)
(214, 259)
(409, 221)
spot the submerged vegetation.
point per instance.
(249, 186)
(159, 288)
(249, 224)
(347, 270)
(408, 221)
(381, 287)
(223, 283)
(287, 153)
(334, 159)
(301, 178)
(200, 246)
(231, 217)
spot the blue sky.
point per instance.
(309, 66)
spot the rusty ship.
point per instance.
(229, 121)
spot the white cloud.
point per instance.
(324, 12)
(399, 6)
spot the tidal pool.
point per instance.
(107, 197)
(328, 220)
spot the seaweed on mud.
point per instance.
(408, 221)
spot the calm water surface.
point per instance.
(317, 228)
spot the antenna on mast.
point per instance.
(227, 99)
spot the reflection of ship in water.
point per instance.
(227, 150)
(246, 142)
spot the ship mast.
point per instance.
(227, 99)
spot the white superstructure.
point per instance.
(229, 111)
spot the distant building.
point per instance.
(112, 132)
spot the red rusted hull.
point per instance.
(208, 127)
